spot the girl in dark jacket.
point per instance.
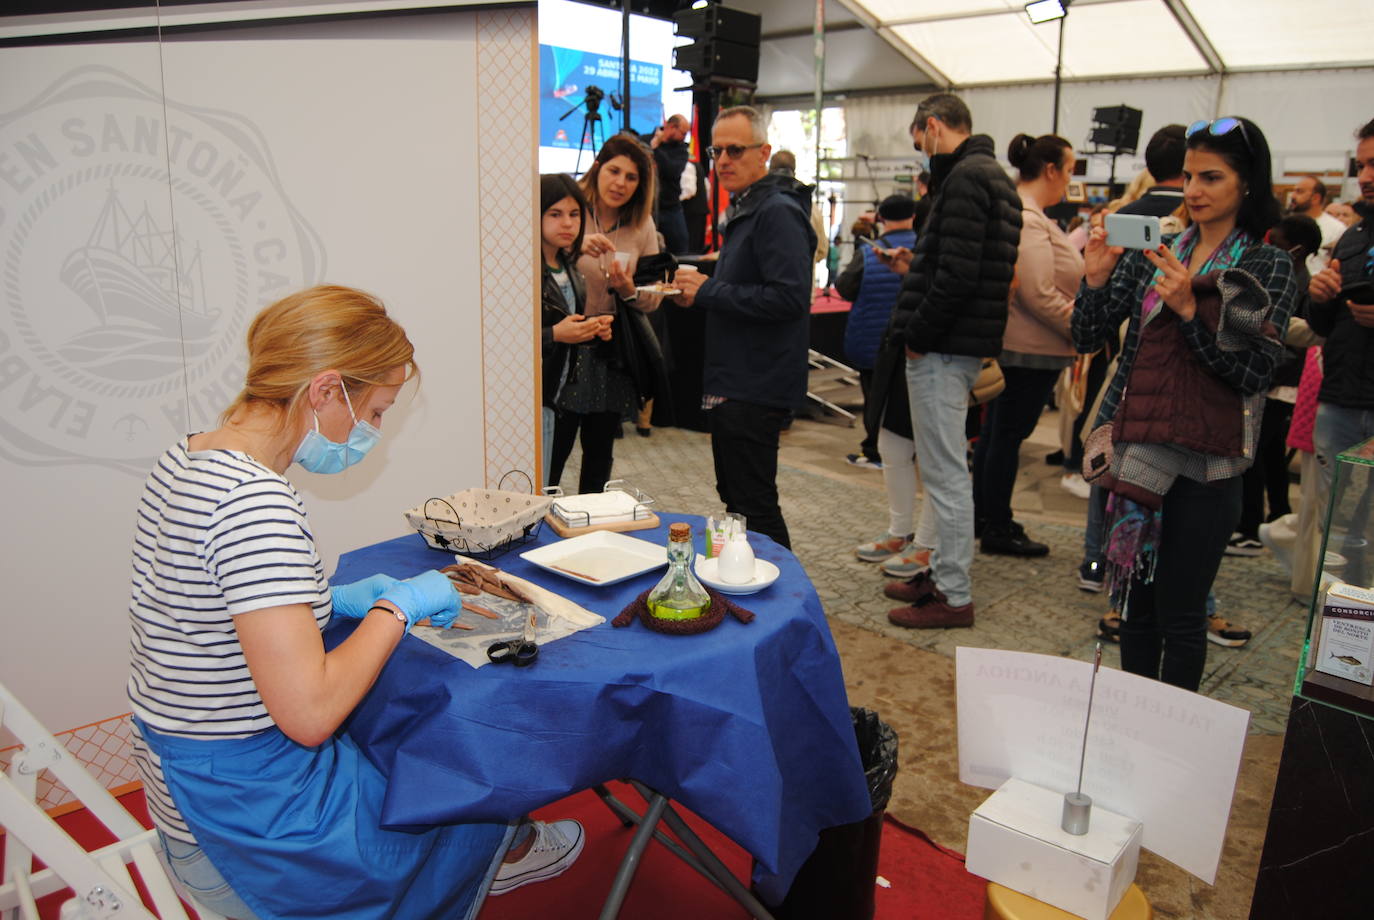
(563, 298)
(1183, 406)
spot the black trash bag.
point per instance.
(836, 882)
(878, 752)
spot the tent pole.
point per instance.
(819, 46)
(1059, 68)
(624, 65)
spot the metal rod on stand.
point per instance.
(1077, 806)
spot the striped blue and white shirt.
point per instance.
(218, 534)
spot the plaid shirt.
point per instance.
(1099, 312)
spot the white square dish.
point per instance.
(600, 558)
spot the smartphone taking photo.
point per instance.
(1133, 231)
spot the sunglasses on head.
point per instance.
(1220, 127)
(734, 151)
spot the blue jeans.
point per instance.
(550, 419)
(1338, 429)
(939, 386)
(192, 869)
(1094, 533)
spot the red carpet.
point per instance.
(928, 881)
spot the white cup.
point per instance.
(622, 259)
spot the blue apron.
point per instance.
(296, 831)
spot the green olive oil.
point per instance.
(678, 595)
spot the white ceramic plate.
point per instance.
(765, 573)
(602, 557)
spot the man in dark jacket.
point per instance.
(955, 298)
(668, 143)
(758, 304)
(1345, 404)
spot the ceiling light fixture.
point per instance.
(1045, 10)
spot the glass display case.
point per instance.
(1337, 666)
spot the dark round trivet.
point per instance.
(709, 620)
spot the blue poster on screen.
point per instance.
(565, 74)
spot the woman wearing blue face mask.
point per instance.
(262, 809)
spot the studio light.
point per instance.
(1045, 10)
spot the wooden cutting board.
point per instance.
(563, 530)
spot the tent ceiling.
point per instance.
(889, 44)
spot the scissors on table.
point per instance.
(521, 652)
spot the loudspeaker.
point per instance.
(1116, 126)
(718, 58)
(719, 21)
(726, 43)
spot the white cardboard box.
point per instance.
(1014, 839)
(1346, 644)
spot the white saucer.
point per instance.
(765, 573)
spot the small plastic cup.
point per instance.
(623, 260)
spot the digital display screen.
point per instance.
(580, 69)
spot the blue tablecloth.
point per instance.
(746, 725)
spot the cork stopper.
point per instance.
(679, 533)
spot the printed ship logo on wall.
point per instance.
(150, 306)
(137, 240)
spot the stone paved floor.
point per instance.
(1028, 605)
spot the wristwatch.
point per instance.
(400, 617)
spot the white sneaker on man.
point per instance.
(556, 847)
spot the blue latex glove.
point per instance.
(429, 594)
(356, 599)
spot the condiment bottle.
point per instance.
(678, 595)
(736, 563)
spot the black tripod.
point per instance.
(591, 124)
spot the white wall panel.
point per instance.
(284, 156)
(90, 360)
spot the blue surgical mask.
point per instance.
(318, 454)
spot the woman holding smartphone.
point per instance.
(563, 295)
(1195, 366)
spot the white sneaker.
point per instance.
(1279, 538)
(899, 566)
(557, 845)
(1076, 485)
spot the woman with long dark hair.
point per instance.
(563, 295)
(1206, 311)
(600, 391)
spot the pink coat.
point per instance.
(1048, 269)
(1305, 408)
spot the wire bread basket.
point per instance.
(480, 522)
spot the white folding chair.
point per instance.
(100, 879)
